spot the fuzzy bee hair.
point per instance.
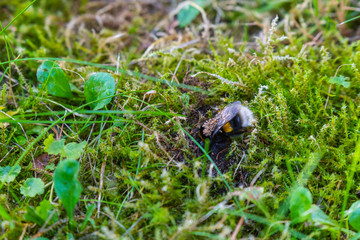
(212, 126)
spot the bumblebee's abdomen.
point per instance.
(233, 127)
(227, 128)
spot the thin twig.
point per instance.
(47, 221)
(6, 154)
(101, 186)
(23, 232)
(237, 167)
(237, 229)
(40, 233)
(132, 226)
(327, 99)
(17, 123)
(223, 80)
(257, 176)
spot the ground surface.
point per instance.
(139, 160)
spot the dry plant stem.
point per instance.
(348, 8)
(223, 80)
(108, 7)
(61, 221)
(115, 221)
(7, 77)
(237, 167)
(17, 123)
(114, 38)
(71, 25)
(150, 93)
(303, 30)
(67, 109)
(61, 130)
(23, 232)
(47, 221)
(130, 228)
(340, 12)
(241, 221)
(327, 99)
(33, 159)
(21, 76)
(91, 131)
(193, 226)
(177, 66)
(68, 127)
(6, 155)
(161, 147)
(55, 131)
(101, 186)
(78, 74)
(257, 176)
(238, 227)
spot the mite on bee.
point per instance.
(231, 121)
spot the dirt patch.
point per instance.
(220, 147)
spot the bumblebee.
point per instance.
(231, 121)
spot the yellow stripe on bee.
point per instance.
(227, 128)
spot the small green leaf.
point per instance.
(7, 174)
(354, 218)
(300, 202)
(32, 187)
(53, 80)
(52, 146)
(353, 207)
(35, 130)
(42, 213)
(71, 150)
(340, 81)
(319, 217)
(50, 167)
(4, 214)
(74, 150)
(32, 216)
(99, 85)
(89, 212)
(66, 184)
(188, 13)
(21, 140)
(45, 209)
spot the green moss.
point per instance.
(150, 170)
